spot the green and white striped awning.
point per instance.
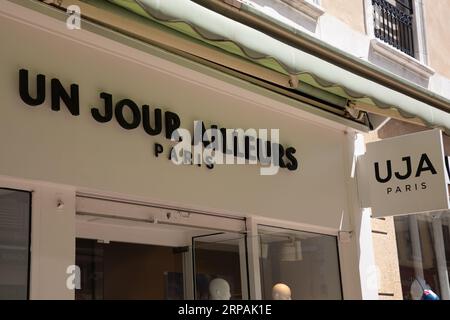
(235, 38)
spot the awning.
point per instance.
(238, 39)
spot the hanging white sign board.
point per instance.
(407, 174)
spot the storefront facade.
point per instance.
(99, 194)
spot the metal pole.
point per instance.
(440, 257)
(416, 249)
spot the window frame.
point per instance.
(30, 219)
(419, 37)
(289, 229)
(253, 262)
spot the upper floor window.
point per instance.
(393, 23)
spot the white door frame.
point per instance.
(52, 237)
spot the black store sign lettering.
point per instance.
(151, 120)
(406, 172)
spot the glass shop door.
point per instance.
(141, 251)
(120, 270)
(220, 266)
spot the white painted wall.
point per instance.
(441, 85)
(338, 34)
(52, 237)
(81, 152)
(285, 13)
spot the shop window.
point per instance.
(423, 244)
(298, 265)
(15, 213)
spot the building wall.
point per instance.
(385, 249)
(346, 25)
(438, 33)
(350, 12)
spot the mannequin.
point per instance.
(280, 291)
(219, 289)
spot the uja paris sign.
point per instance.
(407, 174)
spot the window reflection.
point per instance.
(423, 244)
(298, 265)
